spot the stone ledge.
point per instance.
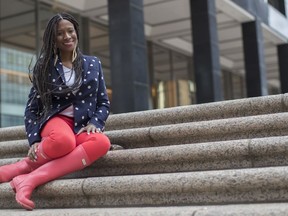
(204, 131)
(197, 132)
(232, 154)
(12, 133)
(184, 188)
(199, 112)
(182, 114)
(266, 209)
(14, 148)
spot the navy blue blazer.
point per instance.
(90, 102)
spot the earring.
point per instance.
(74, 54)
(55, 55)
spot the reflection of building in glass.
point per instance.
(175, 79)
(15, 84)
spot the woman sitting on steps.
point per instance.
(65, 113)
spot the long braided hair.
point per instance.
(41, 72)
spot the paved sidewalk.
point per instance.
(279, 209)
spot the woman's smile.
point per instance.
(66, 38)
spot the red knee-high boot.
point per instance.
(8, 172)
(24, 185)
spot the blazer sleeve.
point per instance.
(31, 117)
(103, 104)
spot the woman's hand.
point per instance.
(32, 153)
(89, 128)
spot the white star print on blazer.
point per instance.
(90, 102)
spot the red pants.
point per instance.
(59, 139)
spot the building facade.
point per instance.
(155, 53)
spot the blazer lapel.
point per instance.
(59, 69)
(85, 66)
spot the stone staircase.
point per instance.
(220, 158)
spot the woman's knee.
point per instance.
(104, 142)
(101, 143)
(58, 144)
(96, 146)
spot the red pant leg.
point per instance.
(96, 145)
(58, 138)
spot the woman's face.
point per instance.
(66, 37)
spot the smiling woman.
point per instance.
(65, 113)
(66, 41)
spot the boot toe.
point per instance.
(13, 186)
(27, 204)
(23, 192)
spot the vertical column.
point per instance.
(206, 51)
(255, 68)
(1, 57)
(37, 28)
(85, 35)
(129, 76)
(283, 66)
(152, 82)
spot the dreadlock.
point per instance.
(43, 66)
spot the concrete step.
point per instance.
(204, 131)
(194, 132)
(200, 112)
(13, 148)
(255, 185)
(265, 209)
(232, 154)
(182, 114)
(12, 133)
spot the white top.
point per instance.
(69, 75)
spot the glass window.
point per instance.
(173, 77)
(279, 5)
(15, 84)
